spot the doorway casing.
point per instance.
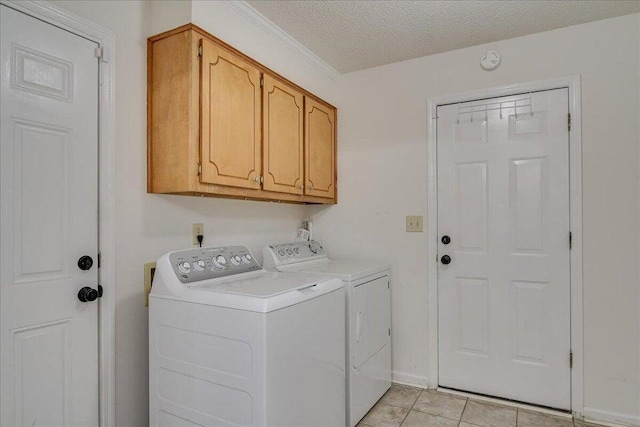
(575, 215)
(105, 38)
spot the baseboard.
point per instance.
(409, 379)
(611, 418)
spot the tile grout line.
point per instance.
(411, 408)
(462, 413)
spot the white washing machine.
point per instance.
(368, 317)
(232, 344)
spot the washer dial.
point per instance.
(184, 267)
(219, 262)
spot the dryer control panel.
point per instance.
(289, 253)
(194, 265)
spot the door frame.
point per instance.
(572, 83)
(105, 38)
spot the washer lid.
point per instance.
(262, 293)
(348, 271)
(266, 285)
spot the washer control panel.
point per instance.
(194, 265)
(298, 251)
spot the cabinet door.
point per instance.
(230, 125)
(320, 149)
(282, 109)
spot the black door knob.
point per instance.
(446, 259)
(85, 262)
(88, 294)
(446, 240)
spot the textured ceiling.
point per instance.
(354, 35)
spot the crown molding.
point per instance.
(283, 37)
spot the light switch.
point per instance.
(414, 224)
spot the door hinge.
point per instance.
(200, 50)
(570, 240)
(199, 169)
(97, 52)
(569, 121)
(570, 358)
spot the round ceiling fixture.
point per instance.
(490, 60)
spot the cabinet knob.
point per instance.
(258, 179)
(301, 187)
(311, 187)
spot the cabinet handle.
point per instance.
(258, 179)
(311, 187)
(301, 187)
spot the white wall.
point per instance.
(382, 178)
(149, 225)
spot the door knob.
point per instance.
(446, 259)
(88, 294)
(85, 262)
(446, 240)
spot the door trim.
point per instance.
(105, 38)
(575, 205)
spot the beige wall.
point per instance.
(383, 176)
(149, 225)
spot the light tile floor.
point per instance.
(413, 407)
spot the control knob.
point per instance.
(219, 262)
(199, 265)
(235, 260)
(247, 258)
(184, 267)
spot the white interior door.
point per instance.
(503, 201)
(49, 219)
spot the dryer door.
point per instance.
(370, 319)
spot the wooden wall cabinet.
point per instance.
(222, 125)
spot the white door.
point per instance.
(49, 214)
(503, 201)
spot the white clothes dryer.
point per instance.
(368, 317)
(232, 344)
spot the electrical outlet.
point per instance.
(149, 272)
(198, 230)
(414, 224)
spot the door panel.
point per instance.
(283, 163)
(49, 218)
(230, 134)
(372, 319)
(319, 149)
(503, 198)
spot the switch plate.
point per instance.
(414, 224)
(198, 229)
(149, 271)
